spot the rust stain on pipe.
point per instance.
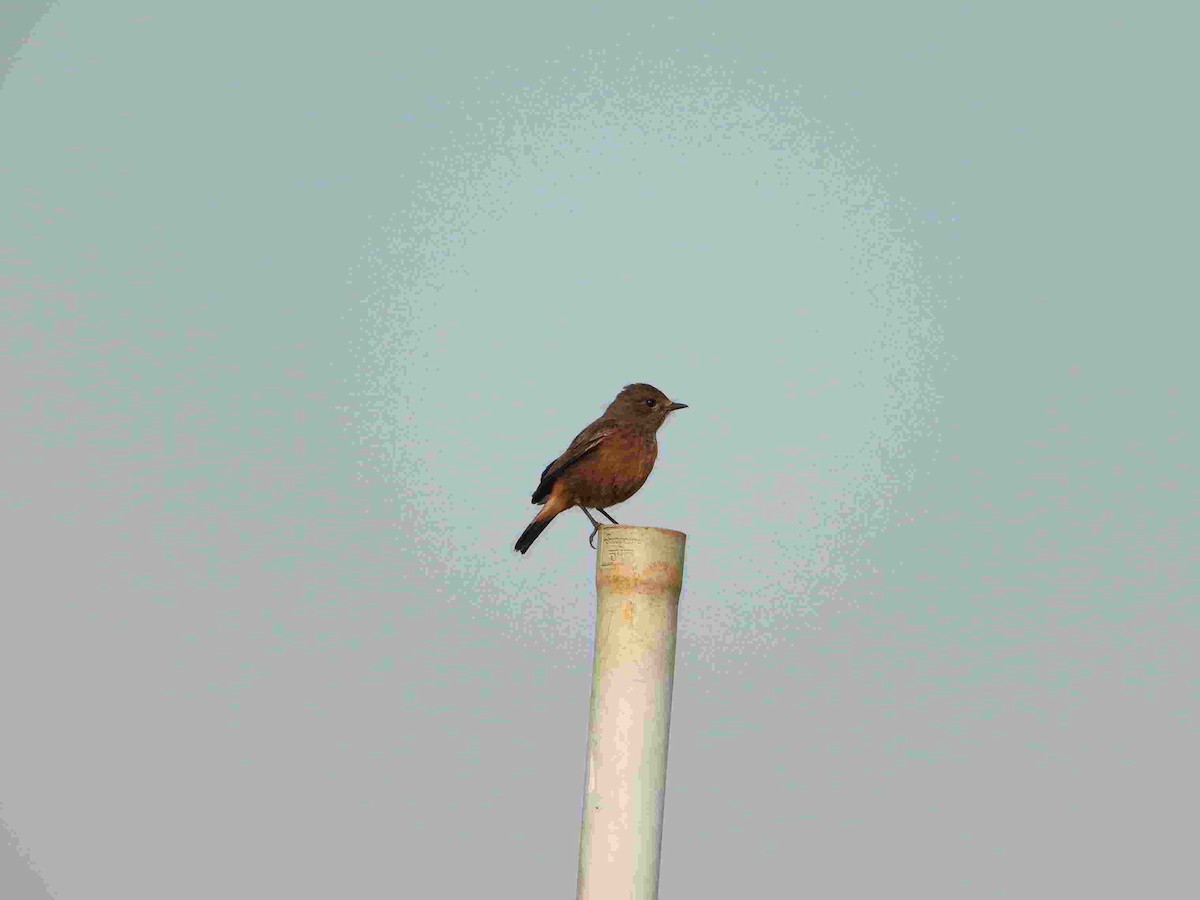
(654, 578)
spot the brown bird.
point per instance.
(606, 463)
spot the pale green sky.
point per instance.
(297, 305)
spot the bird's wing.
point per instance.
(585, 442)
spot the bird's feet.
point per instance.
(595, 527)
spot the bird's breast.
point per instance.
(615, 472)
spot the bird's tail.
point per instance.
(535, 528)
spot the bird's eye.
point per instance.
(650, 401)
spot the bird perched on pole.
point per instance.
(607, 462)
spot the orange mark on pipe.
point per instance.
(657, 578)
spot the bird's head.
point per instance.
(643, 403)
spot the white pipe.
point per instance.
(639, 573)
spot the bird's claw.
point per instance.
(592, 537)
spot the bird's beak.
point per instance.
(675, 406)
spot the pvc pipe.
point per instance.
(639, 574)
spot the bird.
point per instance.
(607, 462)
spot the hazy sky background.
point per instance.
(298, 302)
